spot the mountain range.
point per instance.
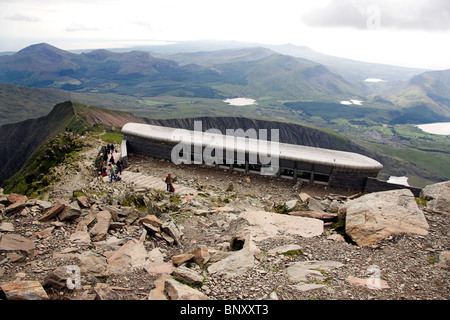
(257, 72)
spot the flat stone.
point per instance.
(266, 225)
(370, 283)
(44, 205)
(308, 287)
(83, 202)
(70, 212)
(201, 255)
(178, 291)
(234, 265)
(304, 196)
(6, 227)
(47, 232)
(12, 242)
(15, 207)
(322, 215)
(284, 249)
(14, 197)
(93, 264)
(187, 276)
(24, 290)
(172, 230)
(159, 268)
(52, 212)
(100, 230)
(80, 237)
(152, 220)
(131, 255)
(158, 292)
(181, 258)
(299, 271)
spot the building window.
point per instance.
(286, 172)
(303, 175)
(321, 177)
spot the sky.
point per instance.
(412, 33)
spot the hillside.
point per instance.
(428, 91)
(209, 58)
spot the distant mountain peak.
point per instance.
(42, 48)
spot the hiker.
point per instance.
(169, 182)
(119, 165)
(112, 171)
(111, 160)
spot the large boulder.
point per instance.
(378, 215)
(438, 196)
(264, 225)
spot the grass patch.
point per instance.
(110, 137)
(293, 253)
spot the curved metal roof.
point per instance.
(328, 157)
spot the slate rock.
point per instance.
(12, 242)
(24, 290)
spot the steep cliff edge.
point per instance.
(19, 141)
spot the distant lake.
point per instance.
(349, 102)
(240, 101)
(442, 128)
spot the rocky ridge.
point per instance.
(233, 237)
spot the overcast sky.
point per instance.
(412, 33)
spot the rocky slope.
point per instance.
(226, 236)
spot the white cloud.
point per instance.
(79, 27)
(432, 15)
(22, 18)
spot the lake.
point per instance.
(349, 102)
(240, 101)
(442, 128)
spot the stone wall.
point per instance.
(375, 185)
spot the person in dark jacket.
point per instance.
(169, 182)
(119, 165)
